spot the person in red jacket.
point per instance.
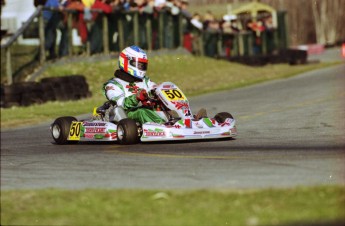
(79, 22)
(96, 30)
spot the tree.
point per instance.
(329, 20)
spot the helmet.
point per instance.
(133, 60)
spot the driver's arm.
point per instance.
(115, 93)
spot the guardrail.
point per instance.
(7, 46)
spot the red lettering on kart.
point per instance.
(149, 133)
(180, 104)
(89, 136)
(95, 130)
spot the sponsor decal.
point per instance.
(95, 130)
(100, 124)
(154, 133)
(94, 136)
(111, 135)
(177, 136)
(180, 104)
(201, 132)
(89, 136)
(152, 124)
(167, 87)
(98, 136)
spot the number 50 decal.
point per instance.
(74, 131)
(174, 94)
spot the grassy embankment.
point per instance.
(194, 75)
(295, 206)
(140, 207)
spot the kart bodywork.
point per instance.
(110, 123)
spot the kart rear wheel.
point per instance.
(222, 116)
(60, 129)
(127, 132)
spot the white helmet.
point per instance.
(133, 60)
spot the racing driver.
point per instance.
(131, 87)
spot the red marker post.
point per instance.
(343, 49)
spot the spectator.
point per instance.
(196, 21)
(212, 28)
(196, 34)
(51, 19)
(63, 46)
(37, 2)
(186, 24)
(159, 4)
(229, 24)
(256, 27)
(184, 9)
(269, 32)
(229, 28)
(79, 22)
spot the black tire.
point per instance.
(222, 116)
(60, 129)
(11, 95)
(32, 93)
(127, 132)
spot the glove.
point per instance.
(142, 95)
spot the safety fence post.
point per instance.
(235, 45)
(105, 34)
(241, 44)
(41, 37)
(136, 28)
(69, 33)
(148, 25)
(180, 24)
(121, 33)
(264, 43)
(250, 42)
(8, 65)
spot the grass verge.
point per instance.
(194, 75)
(295, 206)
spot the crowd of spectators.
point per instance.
(88, 24)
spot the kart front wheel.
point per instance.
(127, 131)
(60, 129)
(222, 116)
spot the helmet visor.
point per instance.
(141, 64)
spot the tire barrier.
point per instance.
(291, 56)
(65, 88)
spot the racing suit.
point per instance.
(123, 89)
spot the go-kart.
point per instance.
(109, 122)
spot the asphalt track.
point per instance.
(291, 133)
